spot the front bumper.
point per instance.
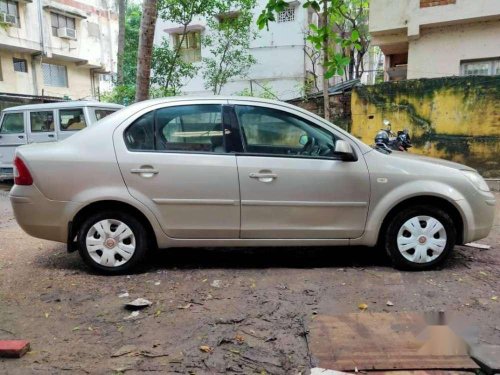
(39, 216)
(480, 218)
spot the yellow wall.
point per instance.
(452, 118)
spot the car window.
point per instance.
(72, 119)
(190, 128)
(12, 123)
(140, 135)
(42, 121)
(270, 131)
(101, 113)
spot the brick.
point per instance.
(13, 348)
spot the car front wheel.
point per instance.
(420, 238)
(112, 242)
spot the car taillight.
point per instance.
(22, 175)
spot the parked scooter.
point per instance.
(387, 140)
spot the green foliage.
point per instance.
(132, 29)
(169, 70)
(122, 94)
(125, 94)
(335, 39)
(229, 42)
(265, 91)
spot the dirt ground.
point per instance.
(250, 309)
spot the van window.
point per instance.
(42, 121)
(72, 119)
(12, 123)
(101, 113)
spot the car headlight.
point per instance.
(476, 180)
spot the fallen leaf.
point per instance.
(483, 273)
(206, 349)
(157, 313)
(185, 307)
(494, 298)
(216, 284)
(139, 303)
(132, 315)
(240, 339)
(157, 283)
(389, 303)
(76, 328)
(362, 306)
(234, 351)
(46, 315)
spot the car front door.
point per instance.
(12, 135)
(173, 159)
(292, 184)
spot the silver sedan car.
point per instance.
(210, 172)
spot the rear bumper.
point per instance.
(41, 217)
(6, 173)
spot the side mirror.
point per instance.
(344, 150)
(303, 139)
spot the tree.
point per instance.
(145, 51)
(124, 92)
(229, 42)
(169, 70)
(351, 18)
(181, 12)
(122, 6)
(323, 38)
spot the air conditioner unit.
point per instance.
(66, 32)
(8, 18)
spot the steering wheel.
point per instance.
(309, 146)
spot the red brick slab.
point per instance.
(13, 348)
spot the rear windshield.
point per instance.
(101, 113)
(12, 123)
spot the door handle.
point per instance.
(51, 135)
(264, 176)
(20, 136)
(145, 172)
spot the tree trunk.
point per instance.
(122, 9)
(145, 52)
(326, 42)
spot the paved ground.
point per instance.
(250, 309)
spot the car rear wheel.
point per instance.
(112, 242)
(420, 238)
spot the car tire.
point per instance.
(112, 242)
(420, 238)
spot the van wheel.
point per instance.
(420, 238)
(112, 242)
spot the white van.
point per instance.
(49, 122)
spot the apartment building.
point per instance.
(56, 48)
(282, 65)
(437, 38)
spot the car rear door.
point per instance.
(41, 126)
(292, 186)
(12, 135)
(173, 159)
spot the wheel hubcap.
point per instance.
(110, 243)
(421, 239)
